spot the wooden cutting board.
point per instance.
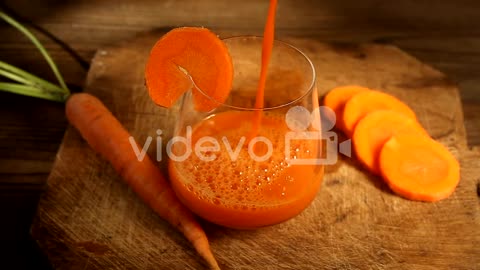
(89, 219)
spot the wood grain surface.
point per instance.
(444, 34)
(89, 219)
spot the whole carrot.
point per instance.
(107, 136)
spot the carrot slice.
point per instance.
(185, 54)
(363, 103)
(336, 99)
(375, 129)
(419, 168)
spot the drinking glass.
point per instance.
(231, 172)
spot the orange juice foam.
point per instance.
(237, 190)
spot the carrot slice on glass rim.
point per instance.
(189, 58)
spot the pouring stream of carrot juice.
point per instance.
(267, 46)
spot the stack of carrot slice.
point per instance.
(389, 141)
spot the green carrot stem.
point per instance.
(39, 46)
(22, 76)
(13, 76)
(32, 91)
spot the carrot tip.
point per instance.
(106, 135)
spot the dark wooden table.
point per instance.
(444, 34)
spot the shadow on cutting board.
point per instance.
(17, 250)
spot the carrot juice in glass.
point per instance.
(230, 171)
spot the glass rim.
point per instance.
(309, 89)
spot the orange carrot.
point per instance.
(375, 129)
(419, 168)
(363, 103)
(336, 99)
(189, 58)
(108, 137)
